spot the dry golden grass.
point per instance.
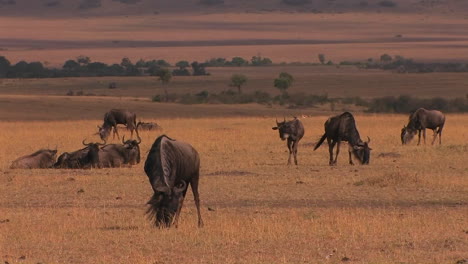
(400, 209)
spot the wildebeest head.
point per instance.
(133, 150)
(104, 132)
(362, 152)
(284, 128)
(166, 202)
(407, 134)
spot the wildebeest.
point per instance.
(41, 159)
(293, 131)
(421, 119)
(114, 117)
(171, 165)
(117, 155)
(148, 126)
(343, 128)
(81, 159)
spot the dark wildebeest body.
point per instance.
(343, 128)
(171, 165)
(148, 126)
(293, 131)
(41, 159)
(117, 155)
(421, 119)
(81, 159)
(114, 117)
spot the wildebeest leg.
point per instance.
(337, 151)
(177, 214)
(294, 147)
(440, 134)
(196, 197)
(350, 157)
(116, 132)
(331, 145)
(419, 137)
(424, 135)
(436, 132)
(289, 144)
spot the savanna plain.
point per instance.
(407, 206)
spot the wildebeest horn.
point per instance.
(123, 139)
(181, 188)
(284, 119)
(85, 144)
(101, 144)
(139, 139)
(277, 122)
(99, 126)
(368, 139)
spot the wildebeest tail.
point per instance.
(320, 141)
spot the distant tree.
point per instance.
(296, 2)
(321, 58)
(4, 66)
(182, 64)
(211, 2)
(238, 61)
(199, 68)
(165, 77)
(126, 62)
(385, 58)
(283, 82)
(182, 71)
(140, 63)
(238, 80)
(260, 61)
(83, 60)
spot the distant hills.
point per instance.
(148, 7)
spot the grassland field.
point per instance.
(407, 206)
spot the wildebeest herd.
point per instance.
(171, 165)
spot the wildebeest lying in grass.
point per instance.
(84, 158)
(117, 155)
(171, 166)
(421, 119)
(343, 128)
(293, 131)
(41, 159)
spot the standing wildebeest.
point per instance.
(117, 155)
(114, 117)
(81, 159)
(171, 165)
(293, 131)
(41, 159)
(343, 128)
(421, 119)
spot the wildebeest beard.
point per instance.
(164, 205)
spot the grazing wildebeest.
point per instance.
(148, 126)
(41, 159)
(81, 159)
(171, 165)
(117, 155)
(293, 131)
(114, 117)
(421, 119)
(343, 128)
